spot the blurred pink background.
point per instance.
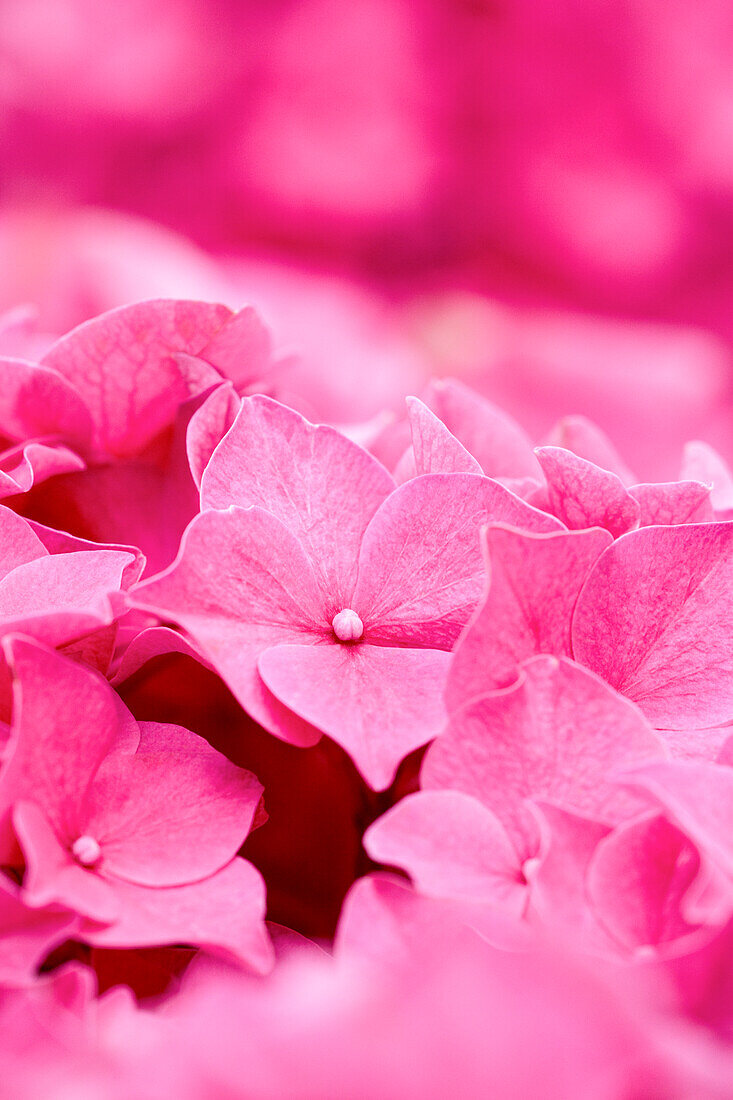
(534, 196)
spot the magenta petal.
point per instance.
(452, 846)
(558, 736)
(320, 485)
(378, 702)
(638, 879)
(53, 876)
(122, 364)
(260, 593)
(534, 581)
(223, 914)
(640, 618)
(435, 449)
(421, 570)
(582, 494)
(201, 812)
(66, 720)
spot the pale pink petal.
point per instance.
(638, 879)
(174, 812)
(640, 620)
(496, 441)
(701, 463)
(320, 485)
(53, 876)
(452, 846)
(223, 914)
(557, 735)
(534, 581)
(435, 449)
(582, 494)
(421, 570)
(378, 702)
(260, 592)
(703, 744)
(66, 720)
(122, 364)
(673, 502)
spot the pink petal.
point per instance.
(534, 581)
(27, 935)
(66, 719)
(241, 350)
(38, 402)
(496, 441)
(582, 494)
(558, 894)
(586, 440)
(435, 449)
(421, 571)
(53, 877)
(58, 597)
(698, 796)
(379, 703)
(452, 847)
(638, 879)
(673, 502)
(154, 641)
(320, 485)
(208, 426)
(201, 812)
(260, 593)
(122, 364)
(223, 914)
(639, 619)
(18, 542)
(556, 736)
(31, 463)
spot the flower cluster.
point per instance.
(398, 767)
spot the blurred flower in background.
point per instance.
(445, 165)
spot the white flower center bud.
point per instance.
(347, 626)
(86, 850)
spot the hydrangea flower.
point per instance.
(335, 597)
(75, 798)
